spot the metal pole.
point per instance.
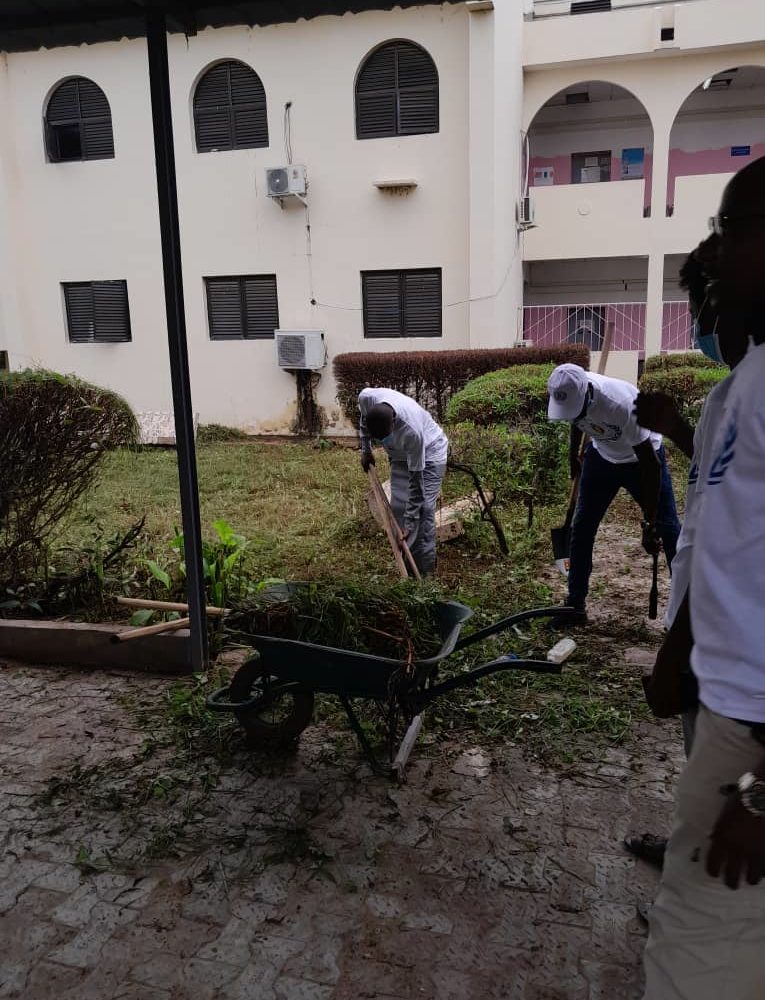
(167, 194)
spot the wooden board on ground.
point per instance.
(448, 518)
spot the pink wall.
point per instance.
(706, 161)
(562, 171)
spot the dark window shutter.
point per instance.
(261, 305)
(397, 93)
(242, 307)
(590, 6)
(402, 303)
(230, 109)
(78, 122)
(422, 303)
(381, 294)
(97, 312)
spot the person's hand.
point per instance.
(367, 459)
(737, 849)
(574, 466)
(657, 411)
(650, 539)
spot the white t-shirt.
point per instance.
(610, 420)
(416, 437)
(711, 416)
(728, 561)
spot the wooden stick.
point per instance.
(384, 508)
(387, 512)
(398, 767)
(139, 602)
(139, 633)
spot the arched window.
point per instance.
(396, 92)
(78, 122)
(230, 108)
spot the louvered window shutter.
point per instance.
(97, 312)
(402, 303)
(590, 6)
(397, 93)
(242, 307)
(230, 109)
(78, 122)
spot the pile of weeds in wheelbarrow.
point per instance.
(398, 622)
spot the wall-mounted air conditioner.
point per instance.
(524, 213)
(301, 349)
(286, 182)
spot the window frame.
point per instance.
(126, 338)
(402, 273)
(241, 280)
(396, 91)
(81, 122)
(231, 107)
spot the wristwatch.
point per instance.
(752, 792)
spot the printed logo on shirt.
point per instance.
(727, 452)
(693, 474)
(603, 432)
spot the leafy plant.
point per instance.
(513, 396)
(682, 359)
(54, 433)
(688, 385)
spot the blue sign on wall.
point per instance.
(740, 150)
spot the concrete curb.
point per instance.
(77, 644)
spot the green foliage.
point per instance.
(514, 396)
(683, 359)
(55, 431)
(688, 386)
(218, 433)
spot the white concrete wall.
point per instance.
(98, 219)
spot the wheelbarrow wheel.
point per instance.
(280, 712)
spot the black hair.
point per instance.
(693, 278)
(379, 420)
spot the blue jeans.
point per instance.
(600, 482)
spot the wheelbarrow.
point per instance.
(272, 693)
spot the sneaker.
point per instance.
(576, 619)
(647, 847)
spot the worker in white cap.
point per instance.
(621, 453)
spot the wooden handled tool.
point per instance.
(395, 535)
(139, 633)
(139, 602)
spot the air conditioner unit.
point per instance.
(301, 349)
(524, 213)
(286, 182)
(524, 343)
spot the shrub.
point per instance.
(219, 433)
(684, 359)
(513, 396)
(528, 465)
(54, 433)
(688, 385)
(433, 377)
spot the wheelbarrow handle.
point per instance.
(469, 678)
(505, 623)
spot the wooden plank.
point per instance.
(139, 602)
(139, 633)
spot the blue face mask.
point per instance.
(385, 442)
(708, 344)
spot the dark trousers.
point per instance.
(600, 482)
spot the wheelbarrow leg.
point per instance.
(398, 767)
(361, 736)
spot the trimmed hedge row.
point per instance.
(516, 397)
(683, 359)
(688, 385)
(433, 377)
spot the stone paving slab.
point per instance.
(495, 880)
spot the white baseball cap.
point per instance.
(567, 386)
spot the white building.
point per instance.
(420, 130)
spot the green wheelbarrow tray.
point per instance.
(272, 693)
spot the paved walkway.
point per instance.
(306, 879)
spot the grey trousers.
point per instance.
(422, 540)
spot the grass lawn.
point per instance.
(303, 508)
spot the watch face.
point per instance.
(754, 797)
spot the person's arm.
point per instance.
(574, 447)
(658, 412)
(670, 689)
(365, 443)
(650, 486)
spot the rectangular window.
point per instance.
(97, 312)
(242, 307)
(402, 303)
(590, 168)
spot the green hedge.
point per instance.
(514, 396)
(684, 359)
(433, 377)
(688, 385)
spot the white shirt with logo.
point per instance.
(416, 438)
(728, 561)
(711, 416)
(610, 420)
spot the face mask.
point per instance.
(385, 442)
(709, 343)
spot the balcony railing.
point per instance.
(586, 323)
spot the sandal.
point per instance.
(647, 847)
